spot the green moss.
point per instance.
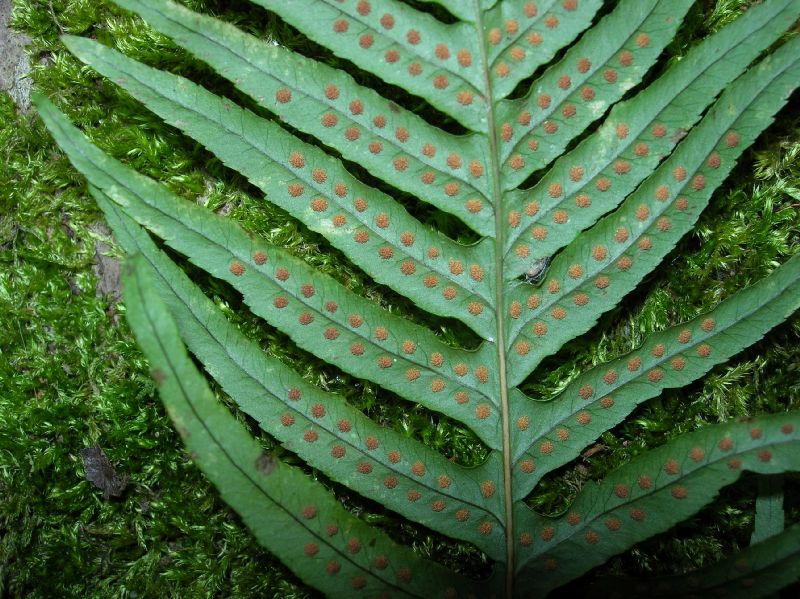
(72, 376)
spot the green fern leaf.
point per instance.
(289, 513)
(578, 170)
(767, 567)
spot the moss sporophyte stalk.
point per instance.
(572, 161)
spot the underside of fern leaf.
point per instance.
(577, 182)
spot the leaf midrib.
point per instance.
(500, 341)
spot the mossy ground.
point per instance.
(71, 375)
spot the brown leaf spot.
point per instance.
(697, 453)
(679, 492)
(622, 167)
(387, 21)
(487, 488)
(295, 190)
(732, 139)
(441, 81)
(544, 101)
(678, 363)
(603, 184)
(464, 98)
(573, 518)
(637, 514)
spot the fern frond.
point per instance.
(653, 492)
(578, 176)
(295, 517)
(602, 397)
(762, 568)
(592, 274)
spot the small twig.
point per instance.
(55, 19)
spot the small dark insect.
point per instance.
(535, 273)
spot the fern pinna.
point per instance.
(572, 173)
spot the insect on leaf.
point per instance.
(575, 162)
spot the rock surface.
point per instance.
(14, 63)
